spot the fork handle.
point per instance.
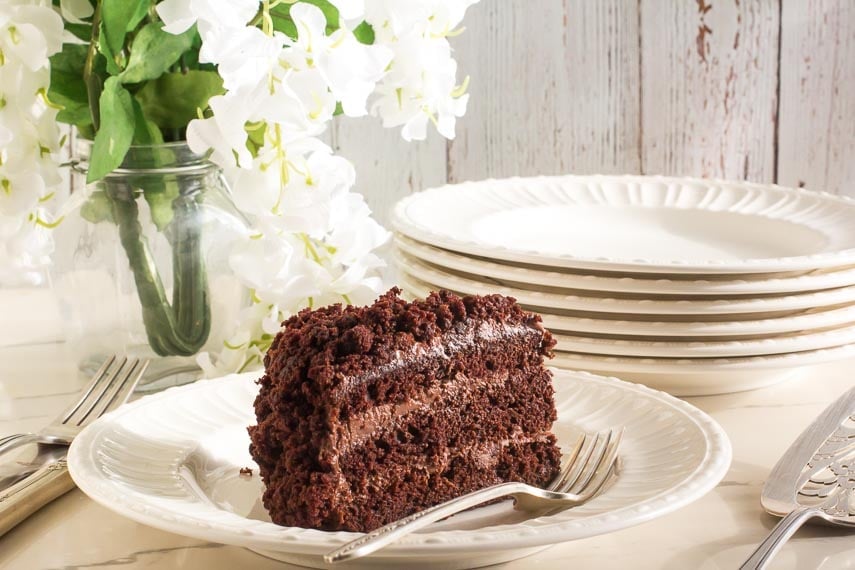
(377, 539)
(779, 535)
(29, 495)
(17, 440)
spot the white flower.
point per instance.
(420, 87)
(354, 233)
(244, 56)
(275, 268)
(225, 132)
(394, 18)
(31, 34)
(350, 68)
(19, 192)
(312, 240)
(75, 10)
(350, 9)
(179, 15)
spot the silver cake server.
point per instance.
(814, 479)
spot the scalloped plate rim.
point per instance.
(404, 224)
(742, 307)
(637, 283)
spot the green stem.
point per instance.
(94, 84)
(190, 293)
(182, 327)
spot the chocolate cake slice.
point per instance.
(366, 415)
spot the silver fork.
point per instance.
(590, 466)
(109, 388)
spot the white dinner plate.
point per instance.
(635, 223)
(804, 321)
(796, 321)
(704, 376)
(767, 306)
(528, 276)
(172, 461)
(705, 349)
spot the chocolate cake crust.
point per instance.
(367, 414)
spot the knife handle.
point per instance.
(779, 535)
(29, 495)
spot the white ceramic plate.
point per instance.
(768, 306)
(805, 320)
(704, 376)
(705, 349)
(534, 276)
(635, 223)
(171, 461)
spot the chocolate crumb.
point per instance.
(246, 472)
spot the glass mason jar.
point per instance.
(142, 261)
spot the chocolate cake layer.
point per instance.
(366, 414)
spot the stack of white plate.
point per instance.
(691, 286)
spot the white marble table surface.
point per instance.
(718, 531)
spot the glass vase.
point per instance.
(142, 261)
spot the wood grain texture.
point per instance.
(709, 87)
(387, 167)
(816, 146)
(554, 89)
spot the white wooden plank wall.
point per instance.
(816, 146)
(637, 86)
(709, 88)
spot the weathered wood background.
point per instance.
(762, 90)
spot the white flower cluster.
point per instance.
(420, 85)
(30, 32)
(312, 239)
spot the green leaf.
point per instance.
(109, 55)
(255, 139)
(97, 208)
(118, 17)
(86, 131)
(71, 59)
(160, 193)
(80, 31)
(364, 33)
(77, 115)
(154, 51)
(67, 87)
(285, 26)
(172, 100)
(113, 139)
(145, 132)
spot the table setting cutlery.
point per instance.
(692, 286)
(814, 479)
(31, 486)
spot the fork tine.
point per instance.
(605, 467)
(558, 482)
(127, 386)
(598, 450)
(96, 379)
(111, 391)
(98, 395)
(574, 470)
